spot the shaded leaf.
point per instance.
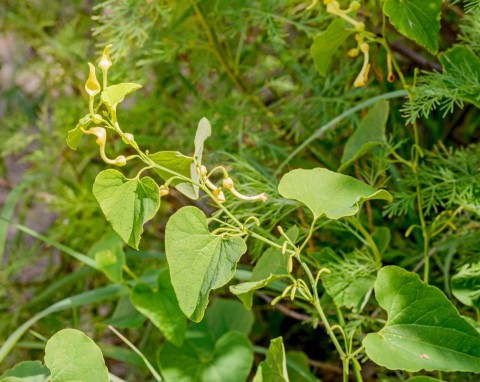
(417, 20)
(28, 371)
(466, 284)
(161, 307)
(423, 331)
(72, 356)
(115, 94)
(125, 315)
(326, 43)
(109, 255)
(127, 203)
(224, 316)
(274, 367)
(370, 133)
(298, 367)
(199, 261)
(179, 163)
(74, 136)
(328, 193)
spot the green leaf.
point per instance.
(326, 43)
(370, 133)
(72, 356)
(28, 371)
(161, 307)
(224, 316)
(109, 255)
(417, 20)
(328, 193)
(74, 136)
(125, 315)
(115, 94)
(179, 163)
(199, 261)
(423, 331)
(462, 60)
(11, 379)
(466, 284)
(244, 291)
(204, 130)
(200, 359)
(423, 379)
(351, 279)
(298, 367)
(127, 203)
(274, 368)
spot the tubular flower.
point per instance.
(362, 77)
(228, 184)
(92, 86)
(101, 135)
(104, 64)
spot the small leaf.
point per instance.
(423, 331)
(274, 368)
(370, 133)
(461, 59)
(204, 130)
(179, 163)
(28, 371)
(200, 359)
(161, 307)
(244, 291)
(328, 193)
(74, 136)
(466, 284)
(115, 94)
(199, 261)
(417, 20)
(127, 203)
(326, 43)
(72, 356)
(109, 255)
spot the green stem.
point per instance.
(369, 239)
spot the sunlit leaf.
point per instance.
(274, 368)
(115, 94)
(28, 371)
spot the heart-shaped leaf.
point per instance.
(274, 368)
(328, 193)
(127, 203)
(199, 359)
(28, 371)
(423, 331)
(326, 43)
(199, 261)
(161, 307)
(115, 94)
(179, 163)
(370, 133)
(72, 356)
(417, 20)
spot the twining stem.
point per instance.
(373, 246)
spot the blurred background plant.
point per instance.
(246, 66)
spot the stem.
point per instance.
(369, 239)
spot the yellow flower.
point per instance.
(92, 86)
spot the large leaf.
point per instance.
(370, 133)
(462, 60)
(423, 331)
(199, 261)
(161, 307)
(115, 94)
(109, 255)
(28, 371)
(179, 163)
(328, 193)
(326, 43)
(127, 203)
(466, 284)
(423, 379)
(74, 136)
(417, 20)
(227, 360)
(298, 367)
(72, 356)
(274, 368)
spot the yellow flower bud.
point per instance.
(92, 86)
(164, 190)
(105, 62)
(120, 161)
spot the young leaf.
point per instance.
(326, 43)
(200, 359)
(199, 261)
(466, 285)
(72, 356)
(423, 331)
(328, 193)
(74, 136)
(417, 20)
(109, 255)
(161, 307)
(274, 368)
(244, 291)
(28, 371)
(370, 133)
(179, 163)
(127, 203)
(115, 94)
(204, 130)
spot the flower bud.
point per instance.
(128, 138)
(218, 193)
(228, 183)
(105, 62)
(96, 118)
(120, 161)
(92, 86)
(164, 190)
